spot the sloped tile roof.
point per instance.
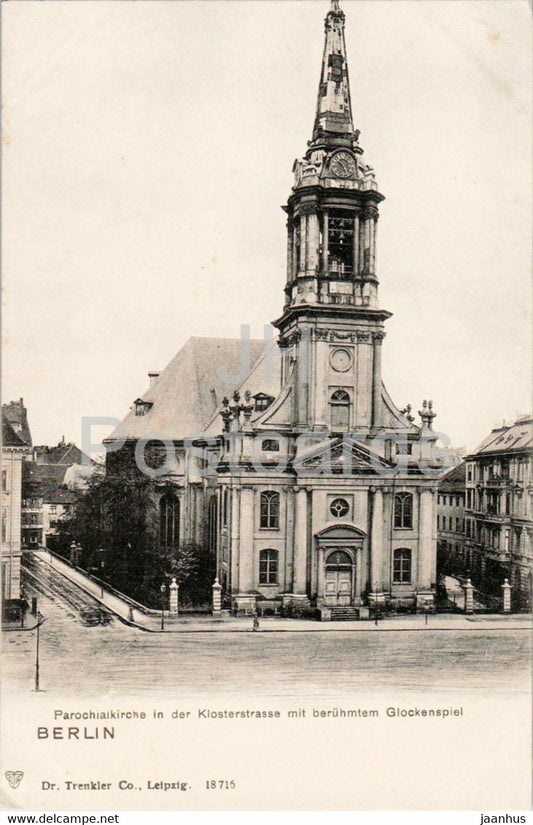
(60, 454)
(47, 481)
(517, 436)
(9, 436)
(454, 479)
(186, 396)
(15, 413)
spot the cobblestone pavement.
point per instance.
(308, 659)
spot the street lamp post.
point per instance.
(100, 552)
(163, 591)
(40, 621)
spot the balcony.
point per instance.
(496, 482)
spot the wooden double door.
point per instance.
(339, 580)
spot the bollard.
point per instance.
(217, 598)
(174, 597)
(469, 596)
(506, 596)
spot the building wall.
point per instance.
(499, 522)
(451, 529)
(11, 521)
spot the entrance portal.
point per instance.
(339, 581)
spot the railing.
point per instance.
(101, 583)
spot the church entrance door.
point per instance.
(339, 579)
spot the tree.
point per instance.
(115, 519)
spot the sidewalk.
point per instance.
(151, 622)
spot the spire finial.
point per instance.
(333, 120)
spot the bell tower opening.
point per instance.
(340, 263)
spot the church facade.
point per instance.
(290, 460)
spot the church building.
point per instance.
(290, 461)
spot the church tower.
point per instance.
(331, 330)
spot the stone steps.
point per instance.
(344, 614)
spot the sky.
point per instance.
(148, 148)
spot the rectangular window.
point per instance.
(4, 481)
(269, 514)
(402, 566)
(404, 449)
(4, 524)
(403, 510)
(53, 508)
(268, 567)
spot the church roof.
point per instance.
(187, 395)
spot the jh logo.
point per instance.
(14, 778)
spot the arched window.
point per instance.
(212, 524)
(269, 510)
(402, 566)
(169, 521)
(403, 510)
(268, 567)
(339, 558)
(339, 405)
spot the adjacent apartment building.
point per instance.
(451, 521)
(16, 445)
(499, 513)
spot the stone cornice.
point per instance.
(333, 311)
(331, 196)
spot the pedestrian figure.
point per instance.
(130, 613)
(256, 623)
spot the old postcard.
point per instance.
(266, 472)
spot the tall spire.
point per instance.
(333, 120)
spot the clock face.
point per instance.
(343, 165)
(341, 360)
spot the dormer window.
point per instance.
(262, 401)
(142, 407)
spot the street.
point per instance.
(81, 657)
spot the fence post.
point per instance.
(174, 598)
(506, 596)
(217, 598)
(469, 596)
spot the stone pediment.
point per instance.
(343, 458)
(341, 531)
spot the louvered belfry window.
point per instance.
(341, 244)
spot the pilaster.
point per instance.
(300, 542)
(246, 544)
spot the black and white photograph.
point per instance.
(267, 489)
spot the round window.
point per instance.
(339, 507)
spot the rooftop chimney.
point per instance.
(153, 376)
